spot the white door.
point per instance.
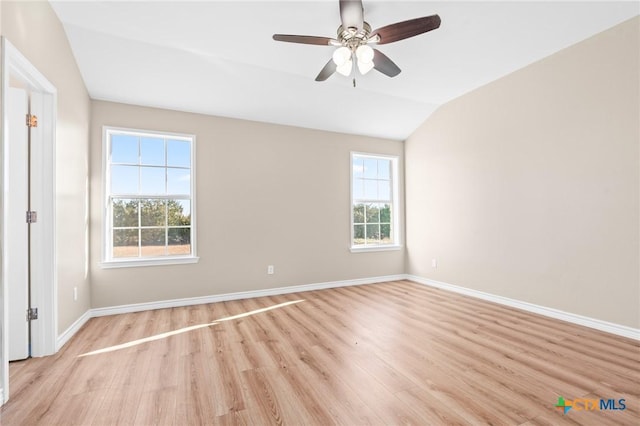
(17, 229)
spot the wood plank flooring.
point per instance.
(383, 354)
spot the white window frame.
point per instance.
(107, 260)
(395, 205)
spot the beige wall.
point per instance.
(529, 187)
(266, 194)
(34, 29)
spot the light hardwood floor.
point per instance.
(391, 353)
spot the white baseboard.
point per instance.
(609, 327)
(73, 329)
(138, 307)
(2, 401)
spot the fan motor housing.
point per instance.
(353, 37)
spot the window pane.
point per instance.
(385, 213)
(358, 189)
(153, 242)
(373, 213)
(152, 180)
(178, 153)
(358, 167)
(152, 151)
(385, 234)
(384, 190)
(179, 212)
(370, 168)
(358, 213)
(152, 213)
(373, 234)
(178, 181)
(124, 179)
(358, 234)
(384, 169)
(124, 149)
(371, 190)
(179, 241)
(125, 243)
(125, 213)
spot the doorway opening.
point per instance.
(27, 224)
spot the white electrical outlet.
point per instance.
(75, 294)
(270, 270)
(434, 263)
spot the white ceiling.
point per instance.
(218, 58)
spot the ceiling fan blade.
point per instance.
(351, 13)
(327, 71)
(382, 63)
(406, 29)
(290, 38)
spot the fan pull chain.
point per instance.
(354, 82)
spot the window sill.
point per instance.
(135, 263)
(358, 249)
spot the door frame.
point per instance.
(43, 193)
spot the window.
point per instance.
(150, 204)
(374, 212)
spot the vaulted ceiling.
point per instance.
(219, 58)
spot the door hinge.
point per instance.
(32, 120)
(32, 217)
(32, 314)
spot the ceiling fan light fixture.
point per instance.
(341, 55)
(364, 53)
(345, 68)
(364, 67)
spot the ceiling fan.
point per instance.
(355, 37)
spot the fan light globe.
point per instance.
(341, 56)
(365, 67)
(364, 53)
(345, 68)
